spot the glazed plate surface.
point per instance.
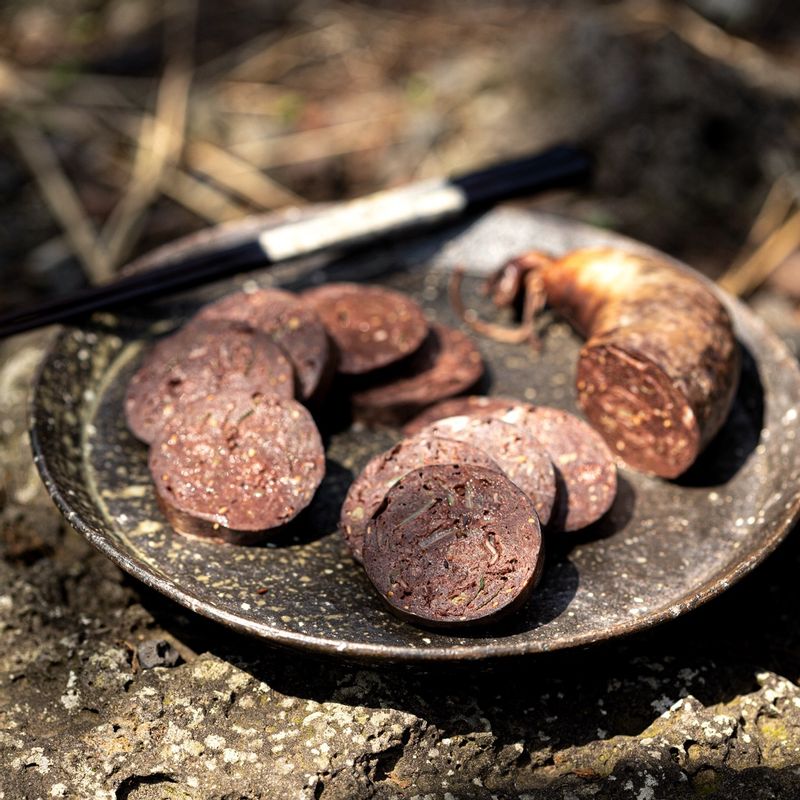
(664, 548)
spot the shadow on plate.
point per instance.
(739, 435)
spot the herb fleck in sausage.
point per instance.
(288, 321)
(232, 463)
(454, 545)
(586, 477)
(514, 450)
(383, 471)
(448, 362)
(371, 326)
(198, 360)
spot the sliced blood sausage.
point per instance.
(513, 448)
(383, 471)
(233, 462)
(471, 405)
(199, 360)
(586, 476)
(448, 362)
(454, 544)
(371, 326)
(290, 322)
(660, 365)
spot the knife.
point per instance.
(343, 226)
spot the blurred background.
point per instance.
(126, 123)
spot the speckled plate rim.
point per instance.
(704, 592)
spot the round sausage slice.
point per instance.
(233, 462)
(586, 475)
(471, 405)
(383, 471)
(371, 326)
(447, 363)
(454, 544)
(513, 448)
(290, 322)
(199, 360)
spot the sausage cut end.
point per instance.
(453, 545)
(644, 418)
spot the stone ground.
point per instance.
(108, 690)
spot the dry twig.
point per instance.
(314, 144)
(761, 68)
(774, 210)
(160, 138)
(271, 60)
(201, 198)
(239, 176)
(746, 276)
(61, 198)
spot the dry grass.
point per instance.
(332, 100)
(59, 194)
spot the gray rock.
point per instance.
(157, 653)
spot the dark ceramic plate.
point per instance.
(664, 548)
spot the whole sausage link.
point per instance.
(660, 365)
